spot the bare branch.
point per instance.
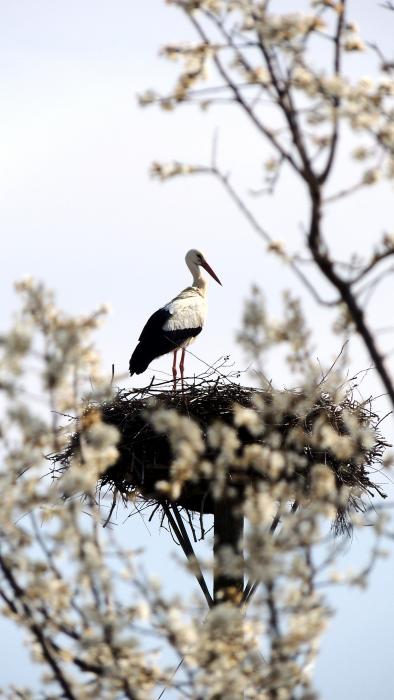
(289, 111)
(266, 236)
(337, 69)
(344, 288)
(241, 101)
(377, 258)
(345, 192)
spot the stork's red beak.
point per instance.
(206, 267)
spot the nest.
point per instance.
(145, 457)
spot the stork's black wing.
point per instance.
(155, 324)
(154, 341)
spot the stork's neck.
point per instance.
(199, 280)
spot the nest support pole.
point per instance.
(228, 532)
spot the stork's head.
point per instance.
(195, 258)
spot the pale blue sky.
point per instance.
(78, 210)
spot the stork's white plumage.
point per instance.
(176, 324)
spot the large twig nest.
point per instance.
(342, 435)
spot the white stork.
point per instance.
(176, 324)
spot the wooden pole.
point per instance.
(228, 586)
(228, 532)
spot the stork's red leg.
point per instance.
(174, 369)
(182, 365)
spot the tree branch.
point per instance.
(337, 69)
(240, 99)
(344, 288)
(37, 632)
(224, 180)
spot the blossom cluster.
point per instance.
(165, 171)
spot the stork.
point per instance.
(175, 325)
